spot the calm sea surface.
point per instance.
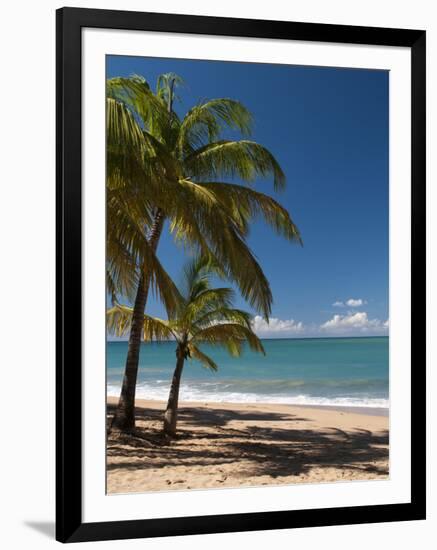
(331, 371)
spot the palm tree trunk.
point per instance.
(124, 418)
(171, 412)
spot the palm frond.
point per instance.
(170, 166)
(222, 314)
(241, 266)
(206, 301)
(163, 286)
(157, 329)
(246, 205)
(121, 273)
(166, 84)
(243, 159)
(129, 253)
(123, 131)
(113, 287)
(119, 319)
(206, 121)
(231, 335)
(139, 98)
(207, 226)
(206, 361)
(125, 145)
(197, 275)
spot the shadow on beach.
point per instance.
(267, 443)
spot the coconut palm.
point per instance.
(205, 315)
(131, 175)
(175, 168)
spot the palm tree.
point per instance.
(130, 202)
(175, 166)
(205, 315)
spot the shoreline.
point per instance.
(233, 445)
(359, 409)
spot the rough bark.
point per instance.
(171, 412)
(124, 418)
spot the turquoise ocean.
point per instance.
(352, 372)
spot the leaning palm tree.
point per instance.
(175, 167)
(205, 315)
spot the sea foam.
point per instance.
(202, 394)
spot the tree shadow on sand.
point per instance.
(266, 448)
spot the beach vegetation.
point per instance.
(181, 169)
(205, 315)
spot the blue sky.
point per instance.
(328, 128)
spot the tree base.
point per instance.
(169, 428)
(121, 423)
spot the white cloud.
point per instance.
(355, 303)
(352, 302)
(276, 327)
(352, 323)
(356, 322)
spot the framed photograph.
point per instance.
(240, 275)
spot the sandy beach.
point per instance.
(230, 445)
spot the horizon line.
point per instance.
(273, 338)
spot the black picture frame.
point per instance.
(69, 525)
